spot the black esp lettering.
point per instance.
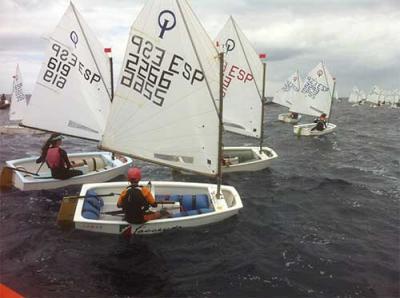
(198, 76)
(64, 55)
(87, 74)
(56, 48)
(173, 63)
(186, 73)
(95, 78)
(137, 41)
(147, 49)
(81, 67)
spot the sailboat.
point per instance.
(395, 99)
(243, 90)
(72, 96)
(355, 96)
(375, 96)
(17, 108)
(317, 94)
(164, 111)
(286, 95)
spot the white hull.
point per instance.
(16, 129)
(287, 119)
(247, 159)
(305, 129)
(101, 167)
(222, 208)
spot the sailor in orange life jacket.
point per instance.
(136, 200)
(57, 159)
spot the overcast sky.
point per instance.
(359, 40)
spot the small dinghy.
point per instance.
(188, 204)
(305, 129)
(287, 96)
(317, 97)
(244, 97)
(17, 109)
(246, 159)
(97, 167)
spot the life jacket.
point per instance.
(321, 125)
(135, 205)
(53, 158)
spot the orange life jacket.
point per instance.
(53, 158)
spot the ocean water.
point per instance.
(322, 221)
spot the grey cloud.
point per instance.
(22, 43)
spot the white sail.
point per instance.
(396, 95)
(374, 95)
(316, 93)
(355, 95)
(18, 99)
(289, 92)
(72, 93)
(164, 109)
(242, 82)
(363, 96)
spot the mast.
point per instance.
(221, 122)
(263, 105)
(333, 90)
(110, 59)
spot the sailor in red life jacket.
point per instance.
(57, 160)
(136, 200)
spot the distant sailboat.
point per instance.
(18, 98)
(164, 111)
(355, 96)
(287, 95)
(317, 91)
(17, 108)
(72, 97)
(375, 96)
(243, 88)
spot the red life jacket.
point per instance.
(53, 158)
